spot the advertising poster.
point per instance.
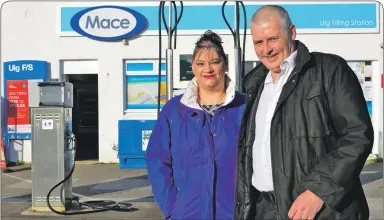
(142, 91)
(19, 75)
(17, 107)
(363, 71)
(369, 106)
(359, 71)
(145, 135)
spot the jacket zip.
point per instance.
(209, 121)
(272, 162)
(290, 77)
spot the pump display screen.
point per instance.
(186, 73)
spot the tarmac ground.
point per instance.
(129, 186)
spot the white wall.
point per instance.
(29, 31)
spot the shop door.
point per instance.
(85, 115)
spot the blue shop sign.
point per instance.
(316, 17)
(25, 69)
(108, 23)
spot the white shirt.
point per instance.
(262, 169)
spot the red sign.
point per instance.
(382, 80)
(3, 162)
(17, 96)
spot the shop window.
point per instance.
(363, 71)
(186, 73)
(249, 65)
(142, 84)
(140, 67)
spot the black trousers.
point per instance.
(264, 207)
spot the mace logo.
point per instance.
(108, 23)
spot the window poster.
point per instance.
(17, 107)
(363, 71)
(145, 135)
(142, 81)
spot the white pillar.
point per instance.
(377, 110)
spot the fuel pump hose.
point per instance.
(96, 205)
(236, 35)
(161, 17)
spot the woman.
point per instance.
(191, 155)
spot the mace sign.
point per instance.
(108, 23)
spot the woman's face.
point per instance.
(209, 68)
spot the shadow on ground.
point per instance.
(371, 172)
(92, 190)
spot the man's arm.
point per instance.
(334, 176)
(159, 165)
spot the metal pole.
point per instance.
(169, 73)
(169, 55)
(237, 55)
(380, 133)
(170, 25)
(237, 52)
(236, 24)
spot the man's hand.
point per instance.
(305, 206)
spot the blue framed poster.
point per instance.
(17, 75)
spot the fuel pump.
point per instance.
(239, 54)
(54, 153)
(53, 146)
(169, 52)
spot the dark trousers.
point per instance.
(264, 207)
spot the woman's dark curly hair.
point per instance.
(210, 40)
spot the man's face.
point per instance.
(272, 43)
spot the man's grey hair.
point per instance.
(280, 12)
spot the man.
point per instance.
(306, 132)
